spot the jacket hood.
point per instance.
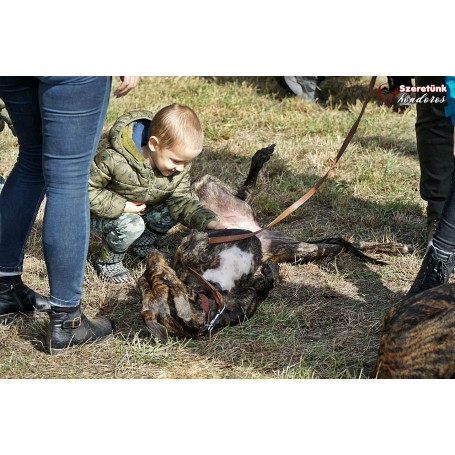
(124, 122)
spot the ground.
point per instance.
(325, 318)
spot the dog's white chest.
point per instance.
(234, 263)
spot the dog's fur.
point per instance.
(233, 209)
(172, 296)
(418, 338)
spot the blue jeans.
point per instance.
(58, 121)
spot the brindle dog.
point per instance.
(418, 339)
(175, 302)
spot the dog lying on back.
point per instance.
(418, 339)
(176, 302)
(233, 209)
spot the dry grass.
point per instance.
(324, 320)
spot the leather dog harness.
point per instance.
(218, 297)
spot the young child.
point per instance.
(140, 187)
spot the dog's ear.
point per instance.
(156, 329)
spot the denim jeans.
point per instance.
(58, 122)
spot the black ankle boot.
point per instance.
(16, 297)
(70, 327)
(435, 270)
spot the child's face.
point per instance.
(173, 159)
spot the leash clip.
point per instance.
(209, 326)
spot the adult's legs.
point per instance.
(434, 134)
(439, 260)
(58, 121)
(306, 87)
(24, 188)
(21, 197)
(73, 111)
(57, 139)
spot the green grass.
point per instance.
(324, 319)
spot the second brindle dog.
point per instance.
(418, 337)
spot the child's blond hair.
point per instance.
(177, 124)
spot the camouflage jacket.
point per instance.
(121, 173)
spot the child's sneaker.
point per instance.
(110, 266)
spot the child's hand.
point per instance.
(134, 207)
(217, 225)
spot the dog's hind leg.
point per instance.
(279, 247)
(257, 162)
